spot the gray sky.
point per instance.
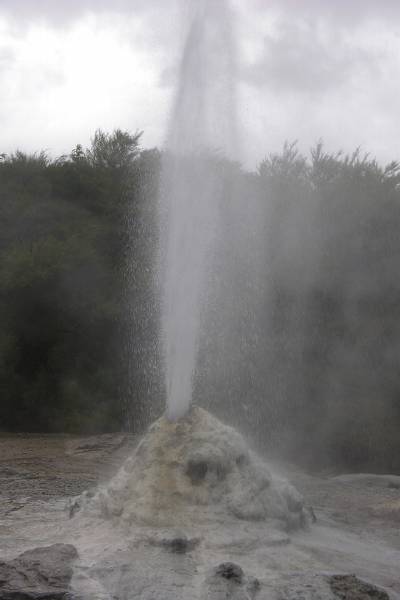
(308, 69)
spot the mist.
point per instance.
(299, 339)
(274, 284)
(298, 335)
(199, 300)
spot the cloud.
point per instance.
(344, 13)
(62, 11)
(300, 57)
(315, 69)
(340, 10)
(7, 57)
(308, 69)
(60, 85)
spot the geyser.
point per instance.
(190, 469)
(203, 121)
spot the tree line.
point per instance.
(301, 326)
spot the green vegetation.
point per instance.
(65, 282)
(302, 326)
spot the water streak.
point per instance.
(202, 122)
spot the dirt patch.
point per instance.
(51, 466)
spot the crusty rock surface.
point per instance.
(320, 586)
(193, 469)
(354, 533)
(228, 580)
(39, 574)
(350, 587)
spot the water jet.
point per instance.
(190, 468)
(193, 482)
(203, 122)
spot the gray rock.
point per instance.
(228, 580)
(195, 468)
(298, 586)
(320, 586)
(39, 574)
(176, 543)
(349, 587)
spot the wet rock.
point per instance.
(178, 544)
(228, 580)
(349, 587)
(39, 574)
(230, 571)
(195, 468)
(320, 586)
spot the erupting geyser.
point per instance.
(190, 469)
(203, 120)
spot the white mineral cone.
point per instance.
(191, 471)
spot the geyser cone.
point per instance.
(192, 471)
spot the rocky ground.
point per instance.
(356, 535)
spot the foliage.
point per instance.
(304, 332)
(64, 282)
(301, 330)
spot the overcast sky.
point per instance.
(308, 69)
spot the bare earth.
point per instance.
(358, 517)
